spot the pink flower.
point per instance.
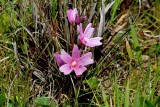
(58, 59)
(85, 37)
(72, 14)
(76, 62)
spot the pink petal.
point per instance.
(79, 70)
(80, 29)
(76, 52)
(89, 32)
(87, 55)
(66, 69)
(71, 14)
(86, 59)
(58, 59)
(75, 13)
(88, 27)
(65, 57)
(92, 42)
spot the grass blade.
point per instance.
(136, 43)
(127, 96)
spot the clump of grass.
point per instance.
(126, 68)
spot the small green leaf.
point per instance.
(42, 101)
(157, 101)
(92, 82)
(2, 99)
(145, 103)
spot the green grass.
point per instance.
(126, 70)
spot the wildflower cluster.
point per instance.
(77, 62)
